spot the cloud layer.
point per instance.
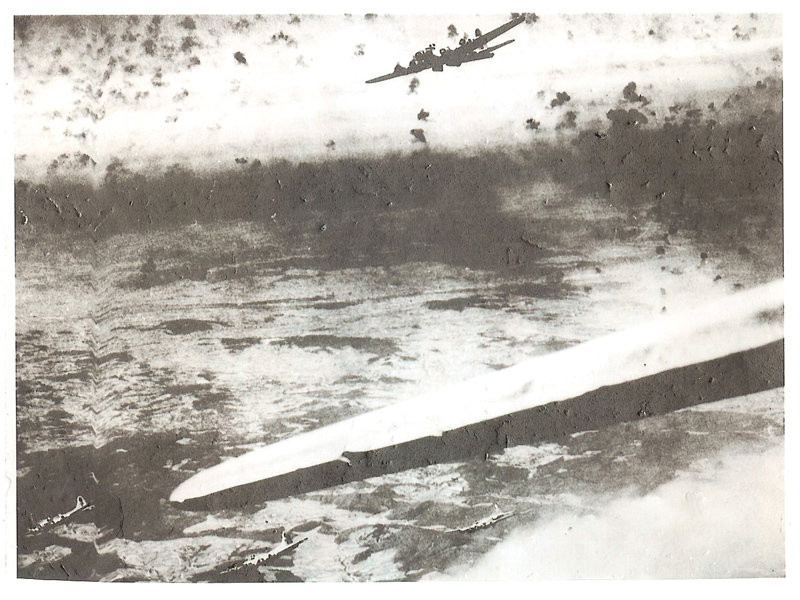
(722, 519)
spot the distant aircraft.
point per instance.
(467, 51)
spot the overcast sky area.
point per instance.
(172, 90)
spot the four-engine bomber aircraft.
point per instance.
(467, 51)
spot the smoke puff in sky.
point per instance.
(561, 98)
(725, 520)
(629, 93)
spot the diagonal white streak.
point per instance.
(696, 334)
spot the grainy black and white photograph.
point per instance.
(490, 296)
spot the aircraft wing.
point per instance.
(402, 71)
(484, 39)
(727, 336)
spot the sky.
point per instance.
(172, 91)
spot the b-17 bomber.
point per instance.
(469, 50)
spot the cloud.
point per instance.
(629, 93)
(282, 37)
(561, 98)
(620, 117)
(75, 161)
(188, 23)
(532, 124)
(724, 518)
(530, 18)
(569, 121)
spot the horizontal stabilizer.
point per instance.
(493, 48)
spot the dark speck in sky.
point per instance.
(419, 135)
(240, 58)
(188, 42)
(188, 23)
(626, 118)
(629, 93)
(241, 25)
(530, 18)
(569, 121)
(282, 37)
(561, 98)
(157, 79)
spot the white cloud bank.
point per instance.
(724, 519)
